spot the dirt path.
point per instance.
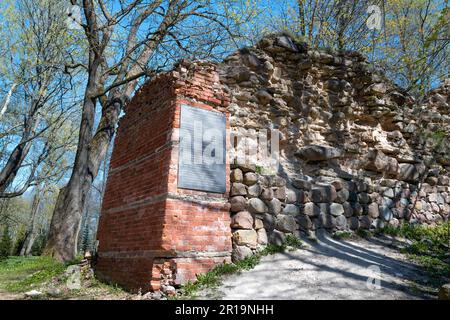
(329, 269)
(4, 295)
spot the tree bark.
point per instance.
(19, 153)
(301, 14)
(7, 100)
(30, 235)
(14, 163)
(92, 148)
(65, 225)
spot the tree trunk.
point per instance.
(7, 100)
(302, 18)
(19, 153)
(312, 24)
(92, 148)
(65, 225)
(340, 17)
(14, 163)
(31, 232)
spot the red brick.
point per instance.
(140, 227)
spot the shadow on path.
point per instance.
(330, 269)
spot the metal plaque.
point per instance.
(202, 152)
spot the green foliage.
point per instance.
(430, 245)
(20, 240)
(342, 235)
(437, 268)
(292, 241)
(39, 244)
(20, 274)
(438, 136)
(5, 244)
(363, 233)
(388, 230)
(85, 239)
(272, 249)
(412, 46)
(34, 48)
(408, 49)
(425, 239)
(251, 261)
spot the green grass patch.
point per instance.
(425, 240)
(430, 246)
(292, 241)
(342, 235)
(259, 169)
(212, 278)
(363, 233)
(20, 274)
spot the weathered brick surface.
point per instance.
(150, 232)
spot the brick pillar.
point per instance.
(150, 231)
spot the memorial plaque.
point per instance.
(202, 152)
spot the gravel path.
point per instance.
(330, 269)
(10, 296)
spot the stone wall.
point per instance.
(356, 150)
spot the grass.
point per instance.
(259, 169)
(212, 278)
(292, 241)
(430, 246)
(342, 235)
(433, 241)
(363, 233)
(20, 274)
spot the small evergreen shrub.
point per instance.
(5, 244)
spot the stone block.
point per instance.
(277, 237)
(274, 206)
(240, 253)
(238, 203)
(336, 209)
(250, 178)
(286, 223)
(327, 221)
(262, 237)
(318, 153)
(254, 190)
(304, 222)
(238, 189)
(245, 238)
(373, 210)
(236, 175)
(242, 220)
(323, 193)
(291, 209)
(311, 209)
(256, 205)
(342, 196)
